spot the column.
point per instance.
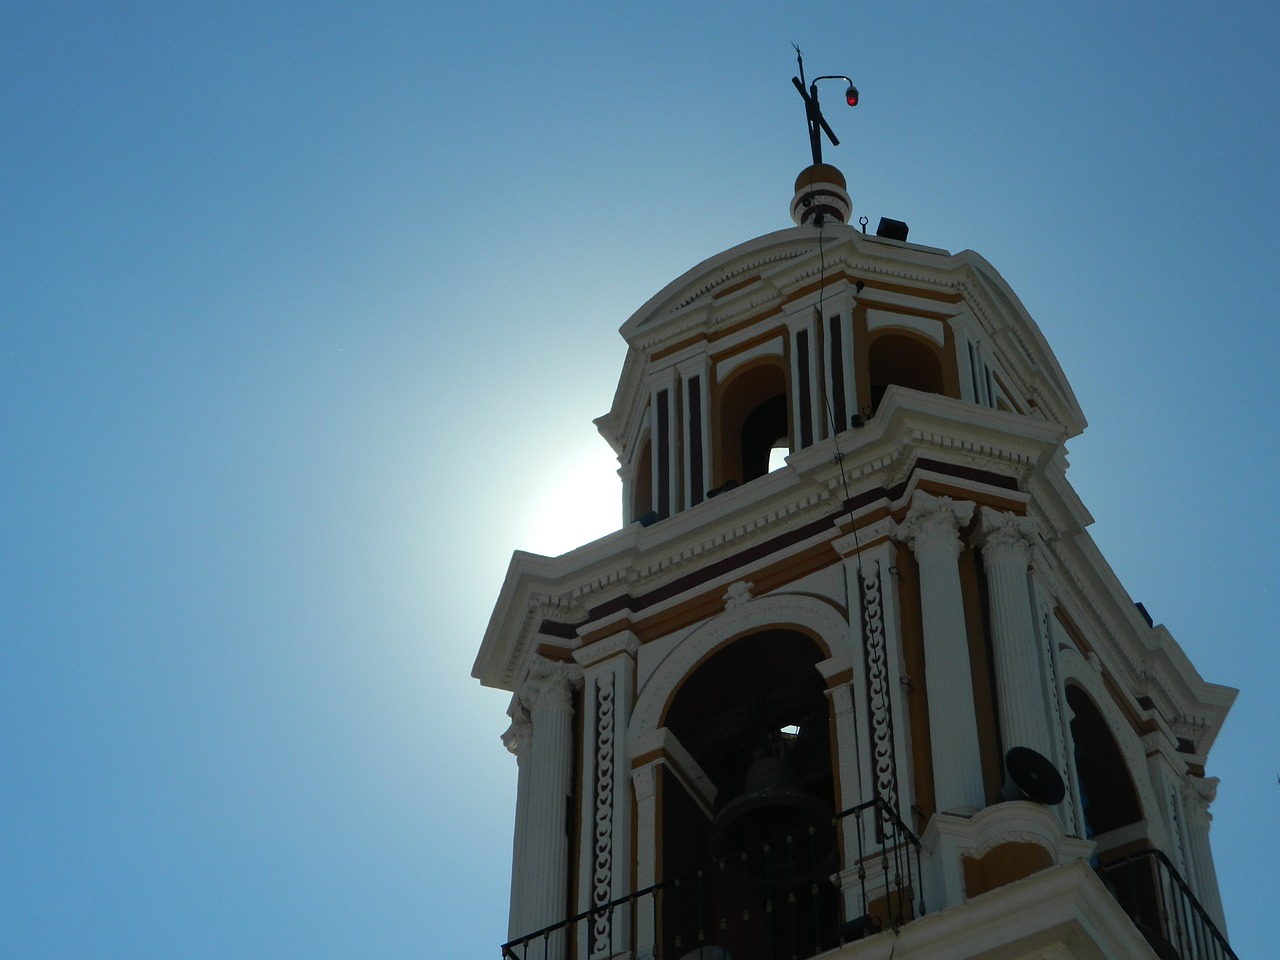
(1197, 794)
(548, 697)
(518, 739)
(1005, 540)
(931, 530)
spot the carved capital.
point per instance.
(550, 686)
(518, 736)
(1198, 793)
(1005, 536)
(933, 522)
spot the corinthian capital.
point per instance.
(933, 521)
(1199, 793)
(1005, 535)
(550, 684)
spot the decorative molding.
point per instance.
(880, 686)
(1004, 535)
(550, 685)
(518, 737)
(602, 864)
(776, 347)
(934, 521)
(622, 642)
(738, 594)
(935, 330)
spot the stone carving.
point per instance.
(1005, 536)
(738, 594)
(550, 684)
(879, 705)
(519, 735)
(934, 521)
(602, 877)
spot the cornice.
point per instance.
(636, 562)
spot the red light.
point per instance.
(851, 96)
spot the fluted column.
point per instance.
(548, 697)
(518, 739)
(931, 530)
(1006, 550)
(1197, 794)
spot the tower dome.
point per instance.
(820, 193)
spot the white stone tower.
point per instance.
(772, 716)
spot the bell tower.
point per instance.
(853, 675)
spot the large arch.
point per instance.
(747, 779)
(821, 621)
(1079, 672)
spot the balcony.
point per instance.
(788, 900)
(785, 898)
(1163, 908)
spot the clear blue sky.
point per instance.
(305, 311)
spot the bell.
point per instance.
(774, 833)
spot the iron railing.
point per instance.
(1163, 908)
(785, 898)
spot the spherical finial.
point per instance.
(820, 189)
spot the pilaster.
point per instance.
(608, 668)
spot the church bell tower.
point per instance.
(853, 679)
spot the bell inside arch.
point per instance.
(774, 832)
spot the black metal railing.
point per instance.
(793, 896)
(1150, 889)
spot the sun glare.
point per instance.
(578, 502)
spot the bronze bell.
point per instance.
(774, 833)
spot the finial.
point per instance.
(813, 112)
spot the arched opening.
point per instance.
(896, 358)
(1113, 817)
(1108, 799)
(752, 840)
(754, 421)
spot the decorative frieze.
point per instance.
(875, 654)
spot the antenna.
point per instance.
(813, 112)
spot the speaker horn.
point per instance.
(1031, 776)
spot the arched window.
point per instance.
(1107, 796)
(754, 420)
(755, 720)
(897, 358)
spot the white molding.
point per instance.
(778, 610)
(775, 347)
(925, 326)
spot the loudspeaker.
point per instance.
(892, 229)
(1031, 776)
